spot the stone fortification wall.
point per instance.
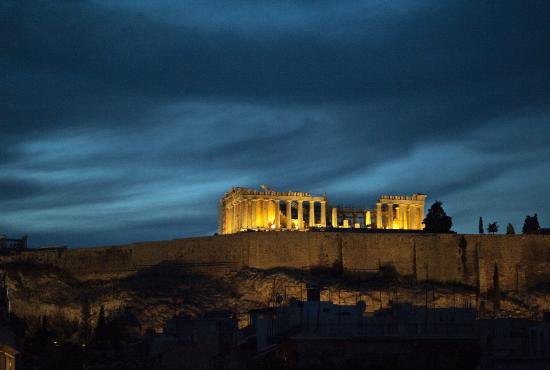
(104, 262)
(518, 261)
(296, 250)
(367, 253)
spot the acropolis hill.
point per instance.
(521, 261)
(246, 269)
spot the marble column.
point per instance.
(224, 223)
(300, 215)
(251, 214)
(397, 215)
(239, 215)
(368, 220)
(265, 219)
(288, 214)
(323, 213)
(390, 216)
(379, 216)
(277, 215)
(413, 218)
(229, 220)
(334, 217)
(311, 213)
(415, 224)
(227, 228)
(234, 217)
(255, 217)
(245, 214)
(406, 217)
(259, 213)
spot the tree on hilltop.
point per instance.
(437, 220)
(481, 231)
(496, 290)
(510, 229)
(100, 331)
(531, 224)
(492, 228)
(86, 326)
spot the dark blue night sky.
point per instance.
(123, 121)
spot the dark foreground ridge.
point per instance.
(145, 284)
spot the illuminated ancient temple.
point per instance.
(244, 209)
(392, 212)
(400, 212)
(249, 209)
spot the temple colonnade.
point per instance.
(346, 217)
(400, 212)
(397, 212)
(243, 209)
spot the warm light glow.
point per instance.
(271, 213)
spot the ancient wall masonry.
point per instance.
(523, 260)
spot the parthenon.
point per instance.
(243, 209)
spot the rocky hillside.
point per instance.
(156, 293)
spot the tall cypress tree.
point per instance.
(496, 290)
(437, 220)
(86, 327)
(481, 231)
(101, 326)
(531, 224)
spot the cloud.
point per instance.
(135, 117)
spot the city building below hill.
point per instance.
(7, 244)
(292, 334)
